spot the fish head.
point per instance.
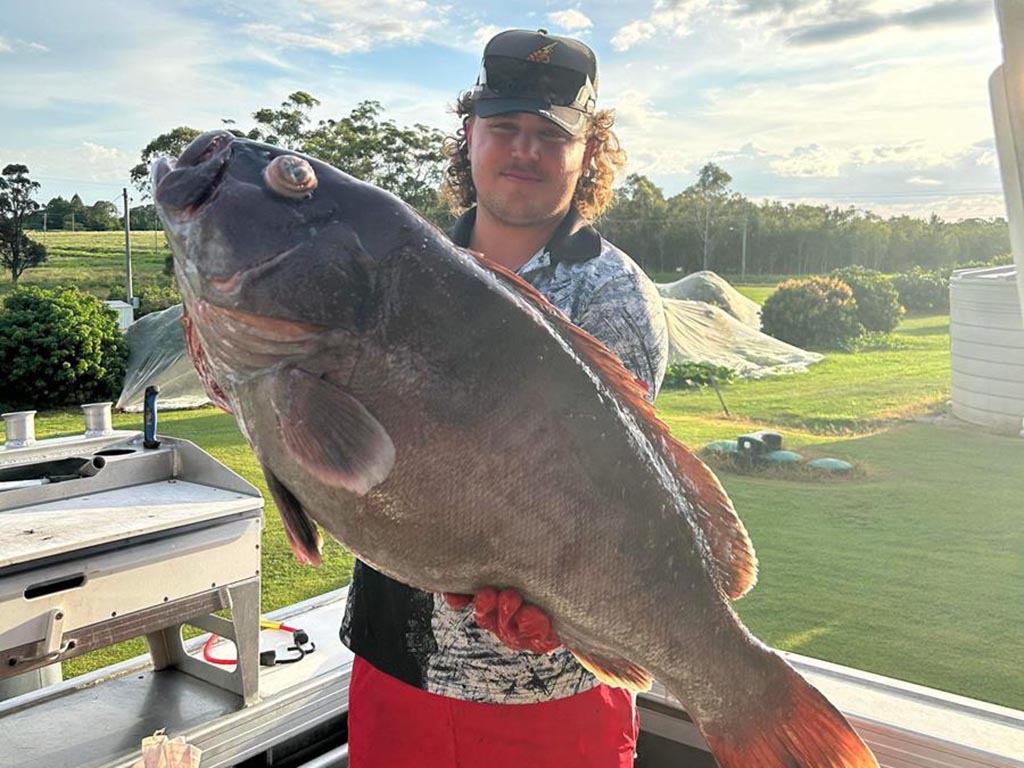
(272, 249)
(239, 213)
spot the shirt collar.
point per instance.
(575, 240)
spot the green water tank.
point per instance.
(835, 466)
(782, 457)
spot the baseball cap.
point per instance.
(551, 76)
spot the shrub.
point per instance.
(878, 301)
(815, 312)
(157, 296)
(153, 296)
(59, 347)
(922, 291)
(692, 375)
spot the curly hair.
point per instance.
(593, 190)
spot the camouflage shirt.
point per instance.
(415, 636)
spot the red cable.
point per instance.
(213, 638)
(212, 658)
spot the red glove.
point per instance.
(519, 625)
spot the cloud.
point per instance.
(7, 46)
(668, 16)
(570, 20)
(97, 154)
(633, 33)
(483, 34)
(811, 160)
(342, 27)
(924, 181)
(945, 13)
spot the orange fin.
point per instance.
(618, 672)
(800, 730)
(303, 536)
(330, 433)
(731, 549)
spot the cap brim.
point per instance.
(570, 120)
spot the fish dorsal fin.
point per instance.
(727, 539)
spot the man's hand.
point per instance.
(519, 625)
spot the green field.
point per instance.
(912, 568)
(94, 261)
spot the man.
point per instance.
(436, 683)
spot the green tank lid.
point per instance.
(782, 457)
(837, 466)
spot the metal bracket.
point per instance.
(54, 633)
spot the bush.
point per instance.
(693, 375)
(59, 347)
(878, 301)
(816, 312)
(153, 296)
(923, 291)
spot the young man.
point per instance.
(436, 683)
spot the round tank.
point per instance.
(987, 348)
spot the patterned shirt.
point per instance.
(414, 635)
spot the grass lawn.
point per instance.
(913, 572)
(94, 261)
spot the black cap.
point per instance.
(551, 76)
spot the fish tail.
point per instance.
(794, 727)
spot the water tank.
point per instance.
(987, 348)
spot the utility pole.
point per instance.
(743, 256)
(128, 246)
(44, 227)
(72, 221)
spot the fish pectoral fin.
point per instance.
(330, 433)
(302, 533)
(616, 671)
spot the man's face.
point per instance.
(525, 167)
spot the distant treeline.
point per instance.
(703, 228)
(101, 216)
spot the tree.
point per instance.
(708, 196)
(101, 215)
(637, 221)
(407, 162)
(286, 126)
(17, 251)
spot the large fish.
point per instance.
(444, 422)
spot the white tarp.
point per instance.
(157, 355)
(702, 333)
(698, 332)
(713, 289)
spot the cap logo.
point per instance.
(542, 55)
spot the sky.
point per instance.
(878, 104)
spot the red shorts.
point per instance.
(393, 725)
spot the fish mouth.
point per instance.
(182, 187)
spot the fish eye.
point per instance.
(290, 176)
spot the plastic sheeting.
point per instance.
(713, 289)
(702, 333)
(157, 355)
(698, 332)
